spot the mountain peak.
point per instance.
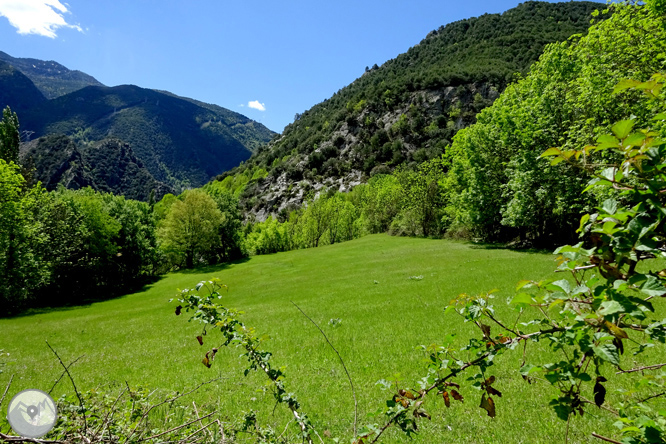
(50, 77)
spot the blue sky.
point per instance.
(265, 59)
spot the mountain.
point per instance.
(16, 90)
(246, 131)
(51, 78)
(406, 111)
(181, 143)
(109, 166)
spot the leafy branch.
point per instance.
(207, 311)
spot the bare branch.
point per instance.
(586, 267)
(603, 438)
(652, 397)
(78, 395)
(640, 369)
(9, 438)
(6, 390)
(64, 373)
(351, 384)
(107, 419)
(196, 412)
(179, 427)
(201, 429)
(603, 406)
(169, 400)
(224, 438)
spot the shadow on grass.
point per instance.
(139, 287)
(515, 248)
(212, 268)
(143, 285)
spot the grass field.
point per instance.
(384, 317)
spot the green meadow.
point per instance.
(377, 298)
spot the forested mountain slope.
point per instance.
(106, 166)
(406, 111)
(180, 142)
(498, 188)
(51, 78)
(16, 90)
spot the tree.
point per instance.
(136, 241)
(190, 232)
(9, 136)
(380, 201)
(21, 240)
(498, 187)
(423, 195)
(230, 229)
(657, 6)
(315, 220)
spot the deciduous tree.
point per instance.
(190, 232)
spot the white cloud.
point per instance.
(41, 17)
(257, 105)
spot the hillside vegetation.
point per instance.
(497, 186)
(107, 166)
(490, 184)
(406, 111)
(16, 90)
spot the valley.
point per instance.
(467, 243)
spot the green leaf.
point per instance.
(607, 352)
(634, 139)
(583, 221)
(622, 128)
(522, 283)
(609, 227)
(610, 307)
(529, 368)
(522, 299)
(610, 206)
(607, 141)
(653, 435)
(653, 287)
(626, 84)
(562, 284)
(562, 411)
(596, 182)
(551, 152)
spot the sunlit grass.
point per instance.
(384, 317)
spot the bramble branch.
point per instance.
(603, 438)
(640, 369)
(180, 427)
(76, 390)
(351, 384)
(6, 390)
(9, 438)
